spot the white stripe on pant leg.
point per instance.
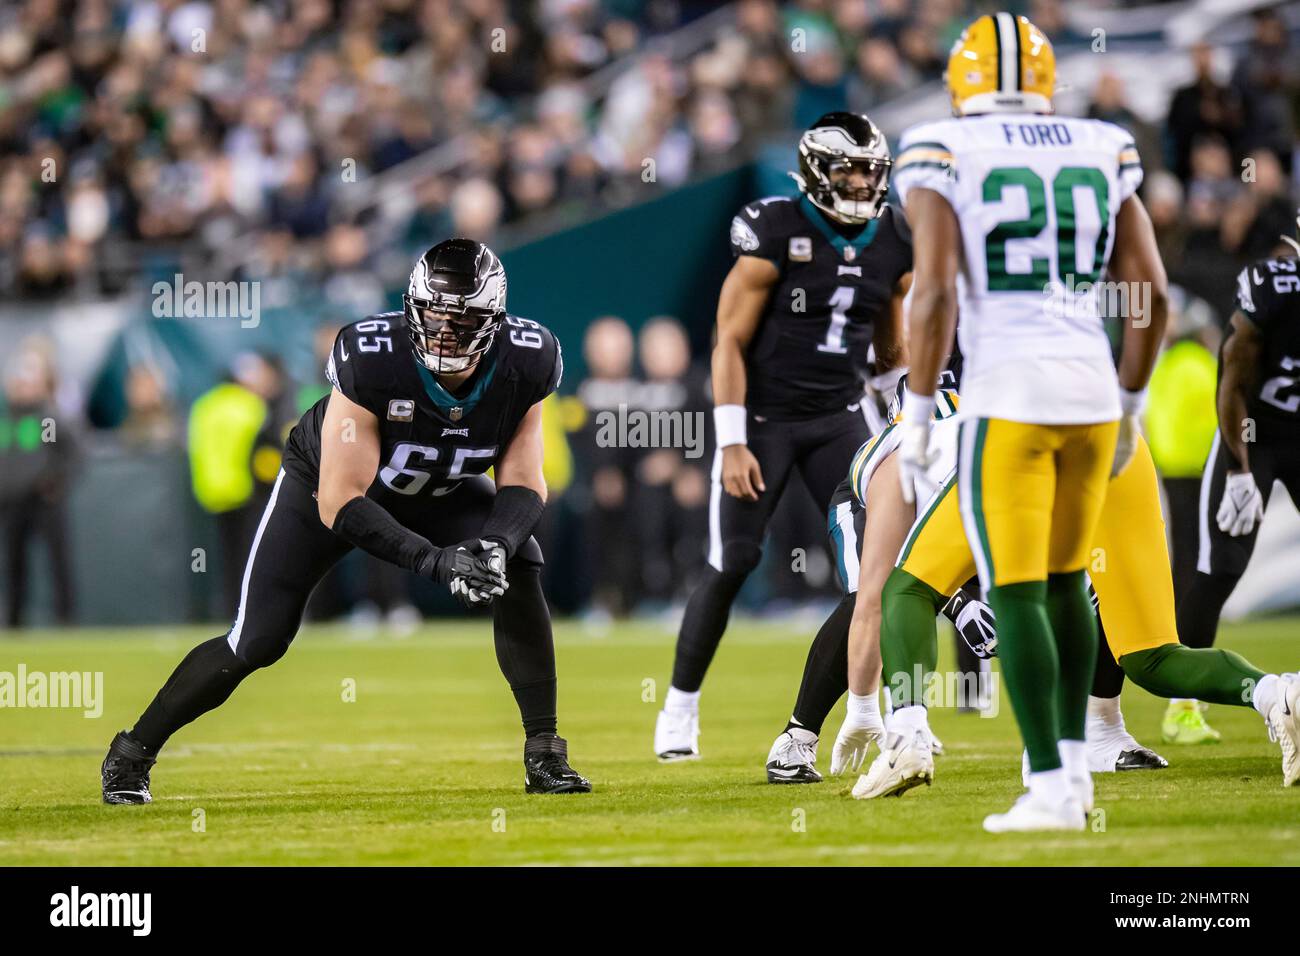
(1203, 508)
(849, 537)
(238, 629)
(715, 513)
(964, 476)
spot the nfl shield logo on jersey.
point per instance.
(850, 253)
(455, 412)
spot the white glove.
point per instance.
(1131, 405)
(1242, 505)
(862, 725)
(1126, 443)
(914, 452)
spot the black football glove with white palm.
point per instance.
(974, 622)
(474, 571)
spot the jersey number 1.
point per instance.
(841, 302)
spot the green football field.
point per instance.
(423, 766)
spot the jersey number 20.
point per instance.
(1063, 185)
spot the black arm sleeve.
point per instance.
(366, 524)
(515, 512)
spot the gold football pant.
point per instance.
(1030, 495)
(1128, 560)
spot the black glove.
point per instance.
(978, 628)
(474, 571)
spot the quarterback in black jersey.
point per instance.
(1258, 441)
(394, 461)
(817, 287)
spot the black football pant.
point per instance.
(1221, 559)
(292, 550)
(821, 448)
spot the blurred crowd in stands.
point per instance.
(129, 130)
(133, 130)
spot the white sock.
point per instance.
(687, 700)
(1074, 757)
(1105, 722)
(1266, 694)
(908, 720)
(1052, 785)
(1105, 709)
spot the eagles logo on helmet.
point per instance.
(844, 166)
(455, 304)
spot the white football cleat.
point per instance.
(1284, 726)
(677, 735)
(1033, 812)
(936, 745)
(904, 762)
(793, 758)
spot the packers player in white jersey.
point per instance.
(1016, 214)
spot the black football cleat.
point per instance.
(793, 759)
(546, 767)
(125, 772)
(1140, 759)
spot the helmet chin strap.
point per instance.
(855, 215)
(452, 364)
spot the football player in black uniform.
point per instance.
(818, 282)
(393, 461)
(1258, 442)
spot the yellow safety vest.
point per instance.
(1181, 417)
(224, 423)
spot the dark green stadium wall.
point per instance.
(663, 257)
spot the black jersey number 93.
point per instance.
(429, 438)
(1268, 294)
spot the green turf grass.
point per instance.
(425, 766)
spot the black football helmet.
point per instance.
(844, 167)
(455, 304)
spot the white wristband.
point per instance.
(729, 420)
(916, 408)
(1132, 403)
(864, 704)
(887, 381)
